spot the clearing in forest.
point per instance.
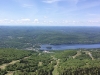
(40, 64)
(55, 72)
(89, 53)
(3, 66)
(78, 53)
(10, 73)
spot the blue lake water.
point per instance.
(64, 47)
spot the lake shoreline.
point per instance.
(69, 46)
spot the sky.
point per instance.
(49, 12)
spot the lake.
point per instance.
(64, 47)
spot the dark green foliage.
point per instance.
(80, 65)
(43, 64)
(96, 54)
(24, 37)
(82, 71)
(7, 55)
(83, 56)
(30, 65)
(3, 72)
(64, 55)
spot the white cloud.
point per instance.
(51, 21)
(1, 21)
(90, 21)
(11, 20)
(36, 21)
(51, 1)
(25, 19)
(6, 19)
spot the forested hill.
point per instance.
(66, 62)
(23, 37)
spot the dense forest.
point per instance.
(25, 37)
(17, 59)
(66, 62)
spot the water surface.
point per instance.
(64, 47)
